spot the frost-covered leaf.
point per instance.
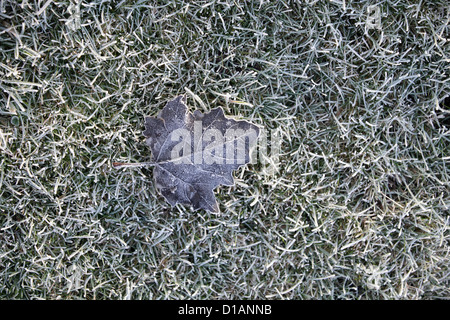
(194, 153)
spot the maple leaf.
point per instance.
(193, 153)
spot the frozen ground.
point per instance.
(359, 208)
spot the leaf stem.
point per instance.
(136, 164)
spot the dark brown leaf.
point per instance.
(195, 153)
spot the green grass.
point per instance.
(359, 208)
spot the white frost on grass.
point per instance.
(359, 208)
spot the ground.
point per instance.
(357, 208)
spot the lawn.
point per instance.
(356, 206)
